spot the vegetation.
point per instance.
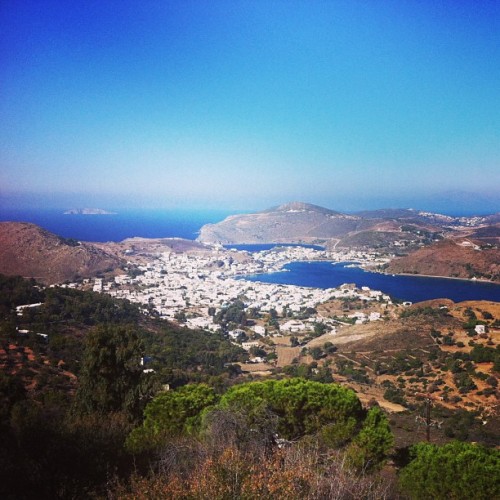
(394, 394)
(482, 354)
(309, 371)
(16, 291)
(346, 368)
(455, 470)
(244, 468)
(88, 308)
(301, 407)
(111, 379)
(232, 316)
(69, 400)
(423, 311)
(172, 413)
(80, 417)
(308, 418)
(372, 445)
(180, 355)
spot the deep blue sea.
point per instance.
(117, 227)
(186, 224)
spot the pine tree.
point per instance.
(373, 443)
(111, 375)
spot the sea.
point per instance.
(187, 224)
(119, 226)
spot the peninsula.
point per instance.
(415, 241)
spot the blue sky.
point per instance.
(248, 104)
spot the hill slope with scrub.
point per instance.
(30, 251)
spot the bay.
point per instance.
(186, 224)
(409, 288)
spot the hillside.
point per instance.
(460, 258)
(55, 442)
(389, 229)
(30, 251)
(290, 223)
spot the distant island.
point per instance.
(88, 211)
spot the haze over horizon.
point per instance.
(246, 105)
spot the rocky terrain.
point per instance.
(30, 251)
(291, 223)
(298, 222)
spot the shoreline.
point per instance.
(359, 265)
(468, 280)
(492, 293)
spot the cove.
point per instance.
(409, 288)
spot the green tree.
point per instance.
(302, 406)
(319, 329)
(172, 413)
(316, 353)
(234, 314)
(11, 392)
(374, 442)
(456, 470)
(111, 378)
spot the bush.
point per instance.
(395, 395)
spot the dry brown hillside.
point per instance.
(30, 251)
(453, 258)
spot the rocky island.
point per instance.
(88, 211)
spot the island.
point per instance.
(88, 211)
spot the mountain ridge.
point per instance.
(297, 222)
(294, 222)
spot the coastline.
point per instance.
(422, 287)
(468, 280)
(360, 265)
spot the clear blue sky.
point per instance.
(248, 104)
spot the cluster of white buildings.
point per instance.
(195, 283)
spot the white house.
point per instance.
(479, 329)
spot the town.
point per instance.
(192, 287)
